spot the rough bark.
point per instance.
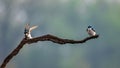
(48, 37)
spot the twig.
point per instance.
(42, 38)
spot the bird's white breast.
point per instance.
(91, 32)
(28, 35)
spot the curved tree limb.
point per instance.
(42, 38)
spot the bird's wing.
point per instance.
(33, 27)
(93, 29)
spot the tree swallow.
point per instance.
(91, 31)
(28, 30)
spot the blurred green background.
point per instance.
(65, 19)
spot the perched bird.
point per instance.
(91, 31)
(28, 30)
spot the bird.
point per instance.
(28, 30)
(91, 31)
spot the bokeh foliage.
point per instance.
(66, 19)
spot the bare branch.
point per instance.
(42, 38)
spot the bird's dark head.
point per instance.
(89, 26)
